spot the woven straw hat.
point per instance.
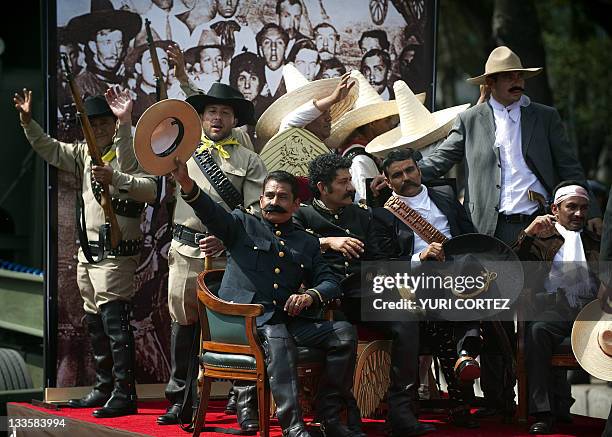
(300, 91)
(418, 127)
(500, 60)
(368, 107)
(167, 129)
(592, 340)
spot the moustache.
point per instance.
(516, 88)
(349, 195)
(409, 184)
(274, 208)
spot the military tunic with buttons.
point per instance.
(267, 263)
(112, 278)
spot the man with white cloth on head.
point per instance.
(563, 284)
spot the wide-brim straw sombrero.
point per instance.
(501, 60)
(418, 127)
(300, 91)
(368, 107)
(167, 129)
(592, 340)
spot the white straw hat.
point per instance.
(592, 340)
(500, 60)
(418, 127)
(299, 91)
(368, 107)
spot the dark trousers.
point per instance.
(280, 341)
(547, 387)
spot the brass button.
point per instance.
(282, 243)
(336, 216)
(278, 233)
(281, 254)
(277, 270)
(302, 265)
(275, 286)
(346, 263)
(254, 247)
(348, 232)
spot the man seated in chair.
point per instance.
(397, 240)
(564, 284)
(269, 262)
(343, 229)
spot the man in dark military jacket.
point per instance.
(343, 229)
(269, 262)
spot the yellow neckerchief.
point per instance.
(208, 143)
(110, 155)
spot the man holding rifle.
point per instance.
(105, 272)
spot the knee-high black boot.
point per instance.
(116, 320)
(180, 349)
(103, 360)
(246, 405)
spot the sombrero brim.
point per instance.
(585, 344)
(527, 73)
(84, 27)
(269, 122)
(182, 112)
(243, 108)
(360, 117)
(385, 143)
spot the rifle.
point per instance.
(94, 153)
(160, 84)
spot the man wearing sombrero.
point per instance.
(563, 284)
(511, 146)
(105, 33)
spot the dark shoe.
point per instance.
(335, 428)
(246, 407)
(466, 368)
(296, 431)
(230, 407)
(103, 360)
(464, 419)
(543, 425)
(94, 398)
(116, 319)
(564, 418)
(418, 429)
(172, 414)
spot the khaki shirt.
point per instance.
(136, 186)
(244, 169)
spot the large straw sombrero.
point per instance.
(300, 91)
(418, 127)
(167, 129)
(592, 340)
(368, 107)
(500, 60)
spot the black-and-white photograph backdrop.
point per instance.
(244, 43)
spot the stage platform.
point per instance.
(80, 423)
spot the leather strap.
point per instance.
(415, 221)
(218, 180)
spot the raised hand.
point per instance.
(343, 88)
(175, 55)
(120, 103)
(541, 225)
(23, 104)
(181, 175)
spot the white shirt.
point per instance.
(273, 79)
(362, 167)
(300, 117)
(244, 38)
(422, 204)
(386, 95)
(516, 177)
(161, 21)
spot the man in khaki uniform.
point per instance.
(106, 283)
(221, 110)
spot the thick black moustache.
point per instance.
(349, 195)
(517, 88)
(275, 208)
(409, 184)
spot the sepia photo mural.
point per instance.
(244, 43)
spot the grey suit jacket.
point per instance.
(546, 149)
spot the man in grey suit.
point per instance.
(511, 146)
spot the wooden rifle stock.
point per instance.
(160, 83)
(94, 153)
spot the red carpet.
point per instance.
(144, 423)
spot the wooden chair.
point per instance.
(231, 349)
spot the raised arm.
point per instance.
(121, 104)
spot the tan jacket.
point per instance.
(129, 181)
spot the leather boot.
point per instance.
(181, 339)
(246, 407)
(281, 365)
(116, 320)
(103, 360)
(353, 417)
(230, 407)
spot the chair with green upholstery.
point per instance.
(231, 349)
